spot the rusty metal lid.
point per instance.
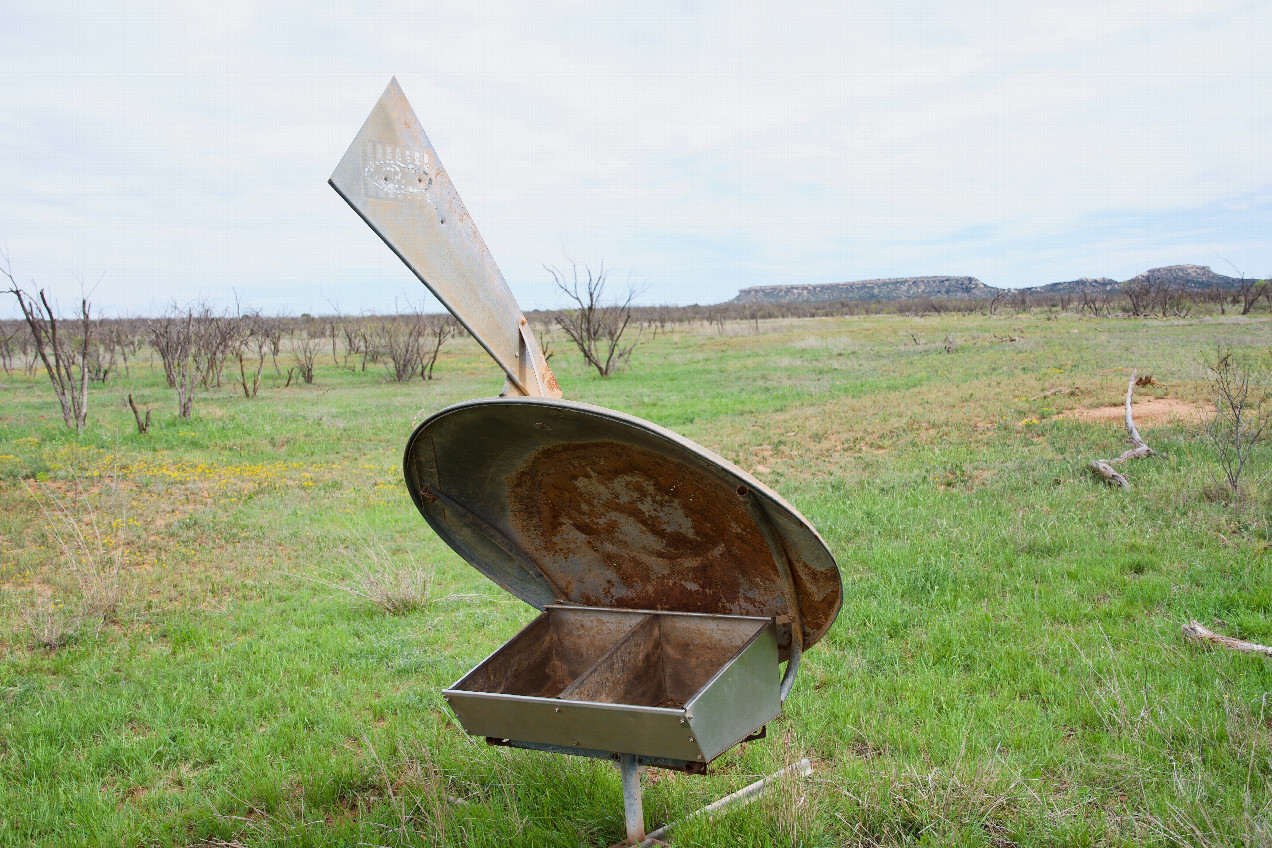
(559, 500)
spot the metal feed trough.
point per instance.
(672, 584)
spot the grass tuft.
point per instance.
(51, 625)
(372, 574)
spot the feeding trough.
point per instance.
(671, 584)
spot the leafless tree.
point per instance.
(69, 350)
(594, 325)
(1251, 292)
(351, 329)
(304, 353)
(718, 317)
(1096, 300)
(1243, 409)
(1175, 301)
(400, 343)
(435, 330)
(251, 343)
(1141, 294)
(274, 330)
(224, 334)
(9, 332)
(182, 338)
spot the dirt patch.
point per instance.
(1146, 411)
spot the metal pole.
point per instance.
(633, 810)
(742, 797)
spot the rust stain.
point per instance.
(663, 537)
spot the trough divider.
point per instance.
(639, 630)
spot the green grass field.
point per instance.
(1007, 668)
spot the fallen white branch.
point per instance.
(1140, 448)
(1105, 468)
(1193, 630)
(1110, 474)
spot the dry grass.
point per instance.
(416, 795)
(789, 797)
(90, 531)
(51, 625)
(372, 574)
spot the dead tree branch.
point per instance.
(142, 426)
(1104, 468)
(1194, 631)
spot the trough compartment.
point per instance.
(678, 688)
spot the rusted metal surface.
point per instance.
(393, 178)
(615, 512)
(551, 652)
(630, 672)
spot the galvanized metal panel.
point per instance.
(612, 511)
(393, 178)
(741, 697)
(620, 728)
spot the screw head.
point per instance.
(556, 709)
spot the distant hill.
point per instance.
(1190, 277)
(1076, 287)
(897, 288)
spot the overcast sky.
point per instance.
(173, 151)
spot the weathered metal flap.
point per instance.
(392, 177)
(559, 500)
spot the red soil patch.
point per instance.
(1146, 412)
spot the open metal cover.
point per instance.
(562, 501)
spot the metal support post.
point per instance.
(633, 810)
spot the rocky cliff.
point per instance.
(897, 288)
(1190, 277)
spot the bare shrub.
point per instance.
(594, 325)
(400, 343)
(436, 330)
(184, 340)
(251, 342)
(9, 344)
(69, 349)
(1140, 293)
(304, 354)
(1242, 398)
